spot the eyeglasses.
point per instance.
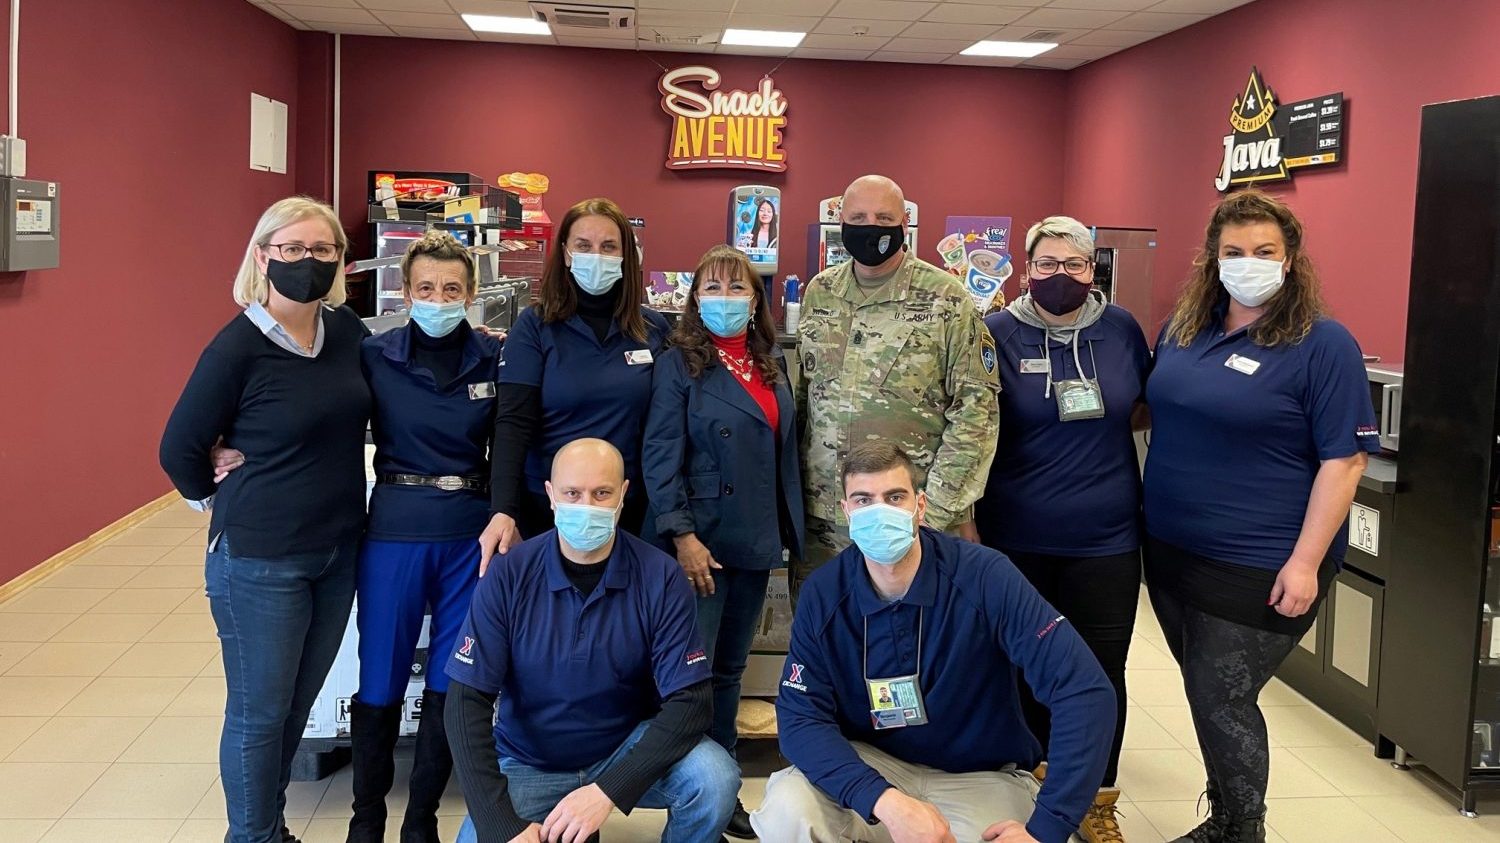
(1048, 266)
(296, 251)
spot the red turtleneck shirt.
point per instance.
(764, 395)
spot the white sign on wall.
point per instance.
(1364, 529)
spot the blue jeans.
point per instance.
(280, 622)
(397, 581)
(698, 792)
(726, 620)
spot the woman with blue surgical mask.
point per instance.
(1262, 424)
(577, 364)
(721, 468)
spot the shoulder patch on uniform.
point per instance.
(809, 361)
(987, 352)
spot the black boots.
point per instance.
(1218, 828)
(739, 823)
(373, 730)
(431, 767)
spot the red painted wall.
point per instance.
(954, 137)
(140, 110)
(314, 136)
(1145, 131)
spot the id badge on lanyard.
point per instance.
(1079, 399)
(896, 701)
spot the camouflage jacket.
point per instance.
(913, 365)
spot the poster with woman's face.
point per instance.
(757, 228)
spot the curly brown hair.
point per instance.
(1289, 314)
(558, 298)
(440, 246)
(694, 339)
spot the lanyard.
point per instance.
(865, 649)
(1077, 363)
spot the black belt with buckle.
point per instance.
(448, 483)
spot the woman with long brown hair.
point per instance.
(576, 365)
(721, 470)
(1261, 423)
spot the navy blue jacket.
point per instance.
(420, 429)
(714, 467)
(967, 622)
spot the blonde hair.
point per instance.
(1070, 231)
(440, 246)
(251, 285)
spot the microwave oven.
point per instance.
(1385, 395)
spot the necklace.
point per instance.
(741, 368)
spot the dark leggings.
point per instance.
(1224, 667)
(1099, 595)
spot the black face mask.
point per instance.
(873, 245)
(305, 281)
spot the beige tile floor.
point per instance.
(111, 695)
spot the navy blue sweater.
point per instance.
(299, 421)
(974, 619)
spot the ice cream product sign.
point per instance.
(977, 249)
(714, 129)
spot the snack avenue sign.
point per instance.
(713, 129)
(1269, 140)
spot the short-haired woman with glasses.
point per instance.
(1064, 492)
(281, 383)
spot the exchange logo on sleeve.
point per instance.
(696, 657)
(465, 653)
(794, 678)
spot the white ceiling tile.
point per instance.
(677, 38)
(327, 14)
(911, 58)
(600, 43)
(1054, 64)
(647, 47)
(961, 31)
(1075, 51)
(688, 5)
(742, 50)
(504, 8)
(974, 13)
(983, 61)
(347, 4)
(407, 5)
(844, 42)
(511, 38)
(775, 23)
(815, 8)
(695, 19)
(1211, 7)
(422, 19)
(1114, 38)
(1050, 18)
(881, 9)
(840, 55)
(353, 28)
(1119, 5)
(1156, 22)
(946, 46)
(426, 32)
(846, 26)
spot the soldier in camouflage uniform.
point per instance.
(891, 348)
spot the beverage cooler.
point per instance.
(1438, 708)
(825, 243)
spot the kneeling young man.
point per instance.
(939, 625)
(589, 637)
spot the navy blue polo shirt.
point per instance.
(588, 388)
(576, 675)
(1066, 488)
(1236, 443)
(980, 620)
(421, 429)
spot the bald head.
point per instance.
(873, 200)
(588, 471)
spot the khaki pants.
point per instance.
(795, 811)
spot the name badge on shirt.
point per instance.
(896, 702)
(1035, 366)
(640, 357)
(481, 390)
(1243, 365)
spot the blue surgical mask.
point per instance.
(883, 532)
(583, 527)
(438, 320)
(596, 274)
(725, 316)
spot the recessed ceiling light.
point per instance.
(761, 38)
(510, 25)
(1007, 49)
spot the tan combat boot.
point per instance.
(1100, 824)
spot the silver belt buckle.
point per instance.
(450, 483)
